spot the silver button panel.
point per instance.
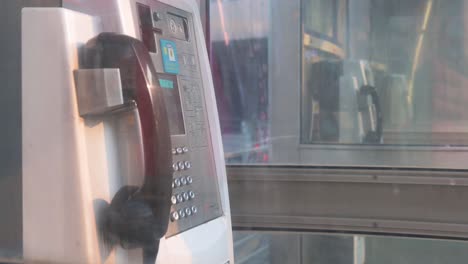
(182, 201)
(197, 152)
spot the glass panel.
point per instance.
(304, 248)
(345, 82)
(239, 59)
(405, 86)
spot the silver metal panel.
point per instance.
(409, 202)
(196, 137)
(97, 90)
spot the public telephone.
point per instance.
(137, 215)
(134, 156)
(344, 103)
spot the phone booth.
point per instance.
(121, 147)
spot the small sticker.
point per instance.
(168, 84)
(169, 56)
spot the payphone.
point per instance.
(122, 154)
(343, 103)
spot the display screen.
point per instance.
(168, 83)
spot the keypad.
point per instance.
(183, 196)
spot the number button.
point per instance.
(183, 180)
(191, 194)
(174, 216)
(177, 182)
(181, 165)
(181, 213)
(188, 212)
(180, 199)
(179, 150)
(186, 196)
(189, 179)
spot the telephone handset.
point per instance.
(375, 135)
(138, 216)
(333, 98)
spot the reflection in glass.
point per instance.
(239, 61)
(416, 54)
(320, 16)
(337, 81)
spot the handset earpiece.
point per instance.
(374, 136)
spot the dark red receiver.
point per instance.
(138, 215)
